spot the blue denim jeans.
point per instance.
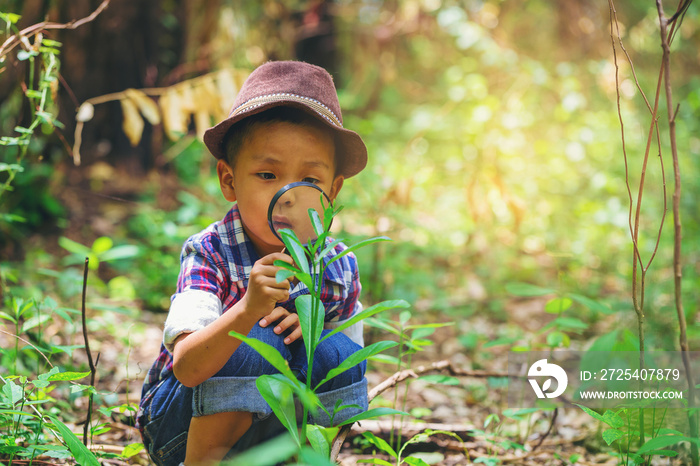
(233, 389)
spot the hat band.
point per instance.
(315, 105)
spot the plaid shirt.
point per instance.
(219, 260)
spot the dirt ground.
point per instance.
(460, 409)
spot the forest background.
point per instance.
(496, 165)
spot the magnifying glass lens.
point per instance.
(290, 208)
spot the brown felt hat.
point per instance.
(299, 85)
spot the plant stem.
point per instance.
(89, 355)
(677, 237)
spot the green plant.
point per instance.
(26, 417)
(279, 389)
(624, 431)
(102, 250)
(557, 332)
(412, 339)
(42, 58)
(413, 459)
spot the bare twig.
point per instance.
(29, 343)
(677, 236)
(546, 434)
(93, 371)
(14, 40)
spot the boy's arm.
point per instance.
(199, 355)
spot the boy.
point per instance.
(200, 402)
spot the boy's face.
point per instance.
(274, 155)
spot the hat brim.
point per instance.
(351, 152)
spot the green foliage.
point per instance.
(623, 431)
(310, 263)
(42, 61)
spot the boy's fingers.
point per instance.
(289, 321)
(276, 314)
(294, 336)
(276, 256)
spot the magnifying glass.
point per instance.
(290, 206)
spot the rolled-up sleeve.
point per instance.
(201, 286)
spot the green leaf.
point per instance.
(268, 352)
(591, 304)
(359, 245)
(571, 323)
(557, 305)
(520, 414)
(74, 247)
(12, 393)
(429, 326)
(51, 43)
(372, 413)
(35, 321)
(385, 359)
(527, 290)
(295, 249)
(500, 341)
(370, 311)
(132, 450)
(382, 324)
(268, 453)
(64, 376)
(23, 130)
(282, 275)
(316, 222)
(80, 452)
(329, 247)
(307, 396)
(309, 457)
(556, 339)
(6, 316)
(11, 18)
(612, 419)
(279, 396)
(321, 438)
(126, 251)
(416, 461)
(310, 320)
(11, 412)
(611, 435)
(670, 453)
(590, 412)
(379, 443)
(357, 357)
(657, 443)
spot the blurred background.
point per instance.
(495, 157)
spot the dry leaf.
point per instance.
(207, 96)
(202, 122)
(133, 123)
(146, 105)
(187, 99)
(228, 83)
(174, 117)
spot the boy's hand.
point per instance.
(264, 292)
(287, 322)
